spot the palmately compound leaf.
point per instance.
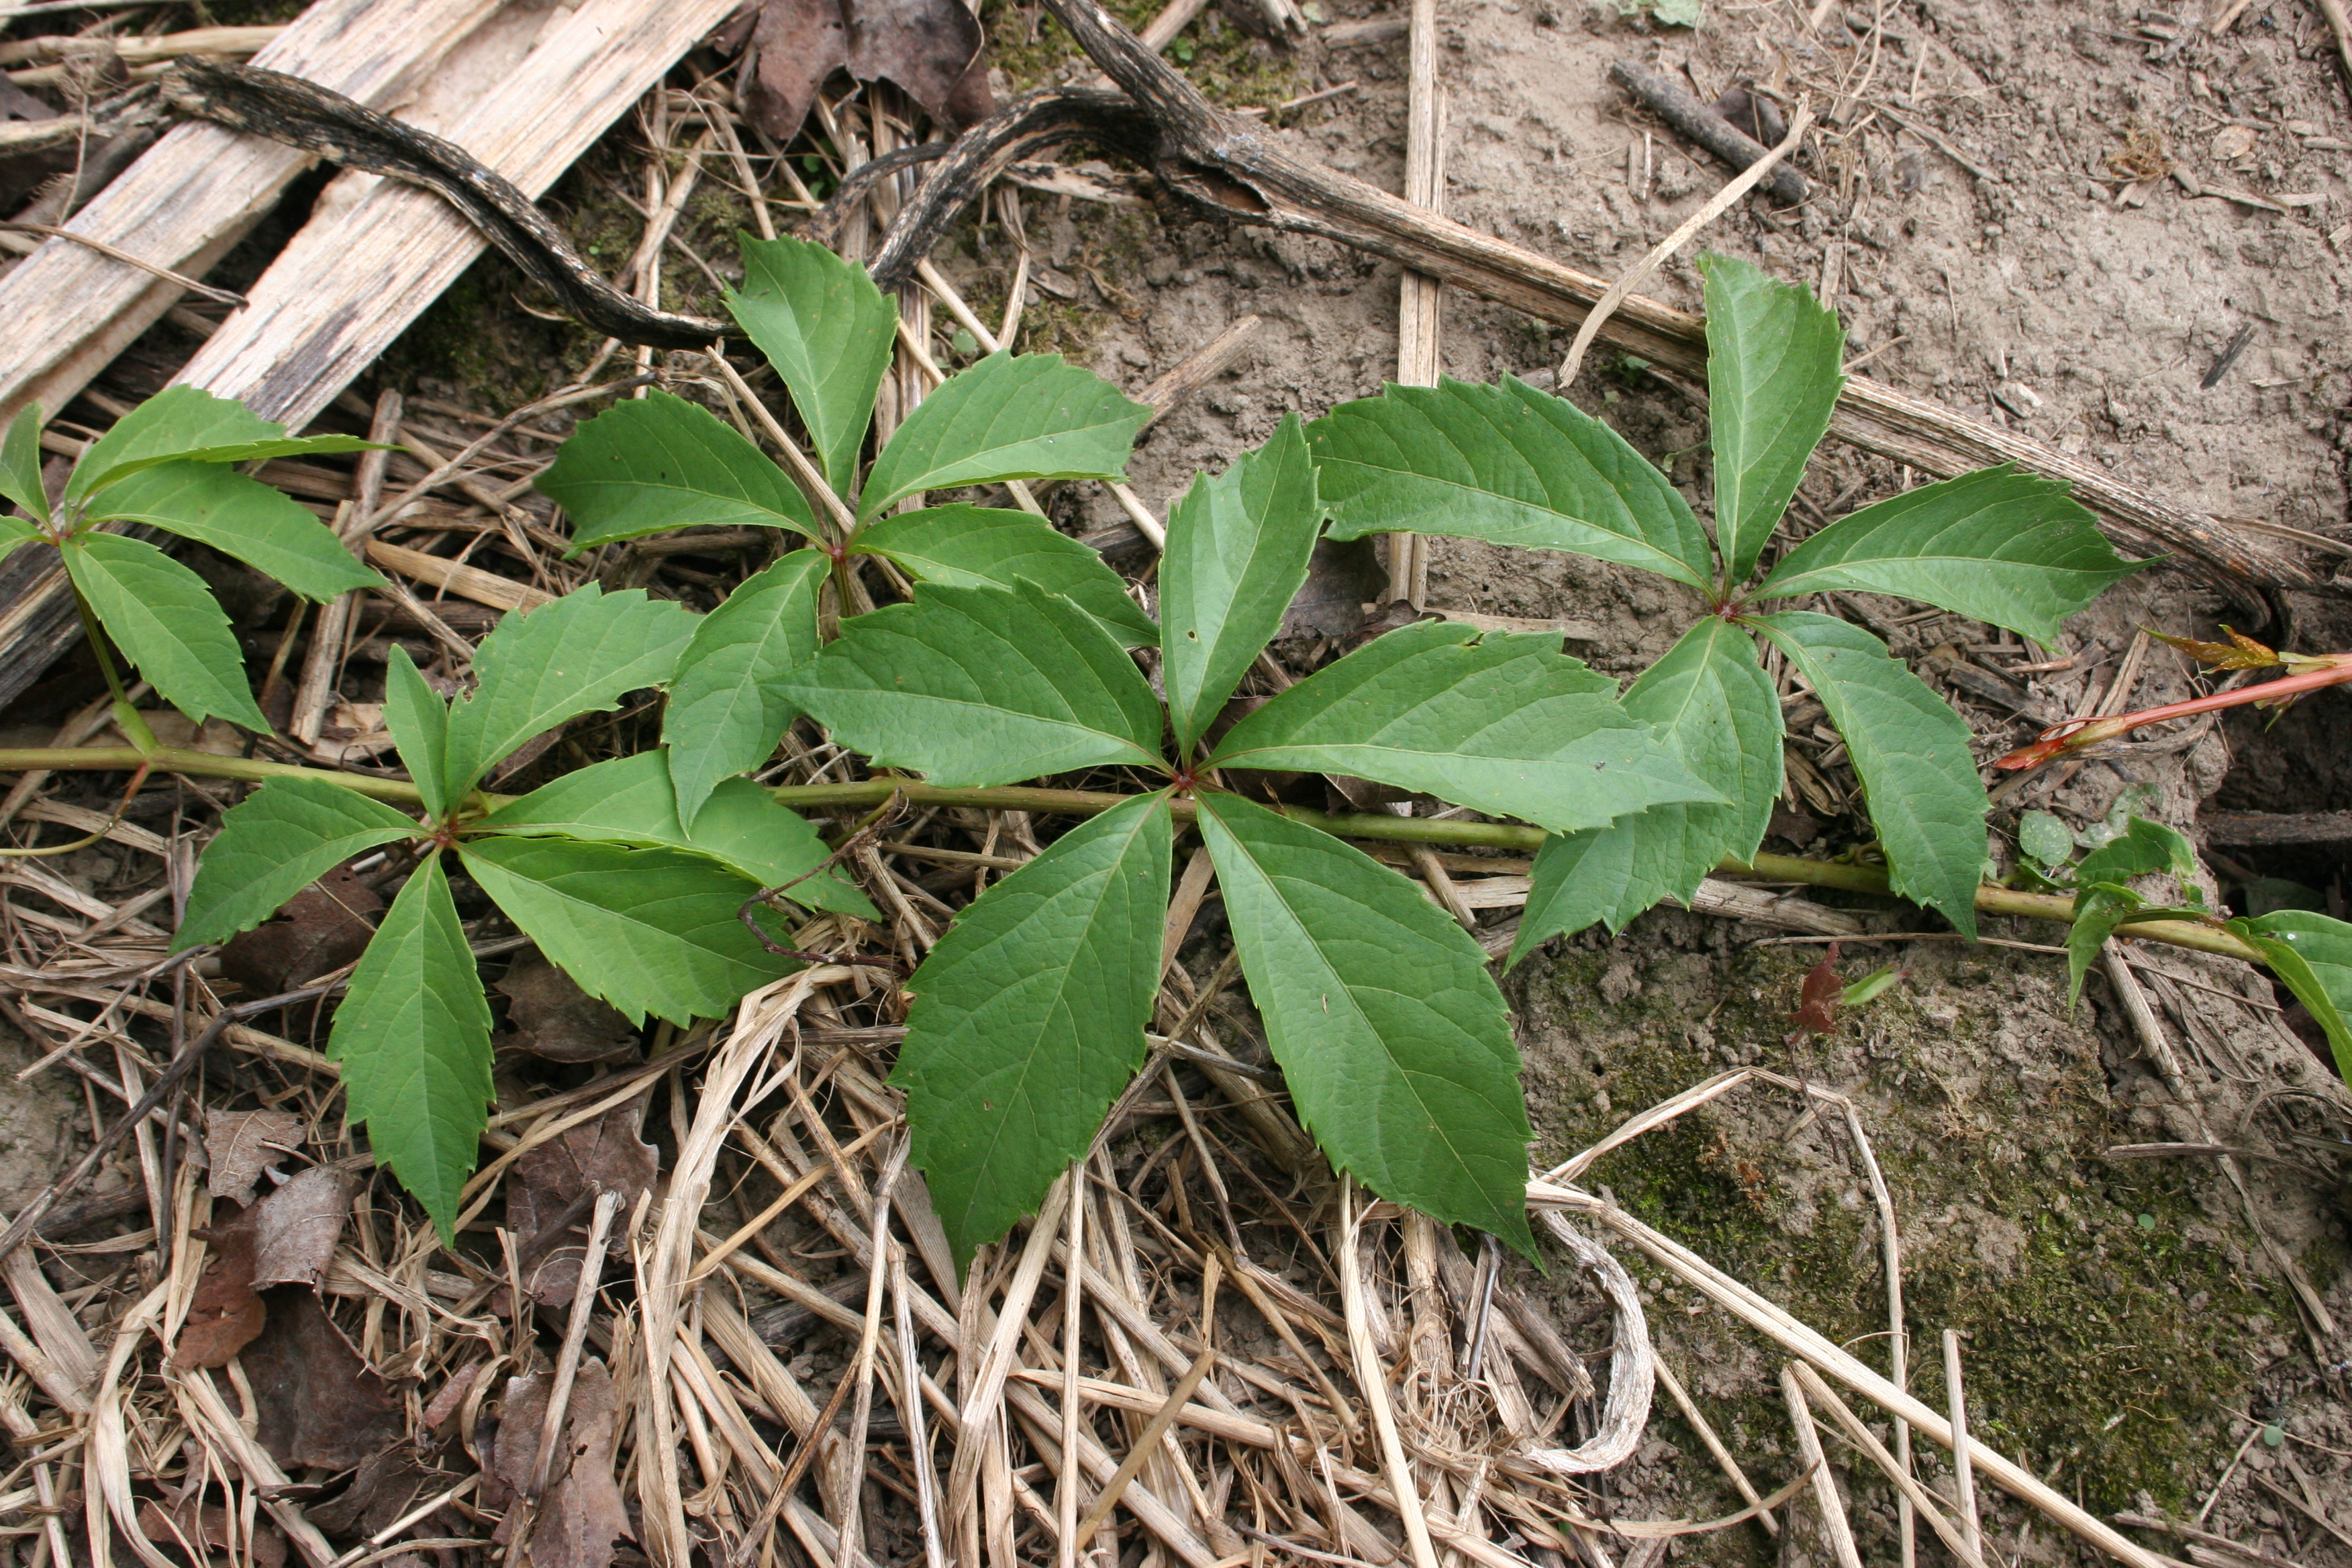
(419, 721)
(972, 687)
(1773, 359)
(629, 800)
(1028, 1018)
(273, 844)
(1911, 753)
(974, 546)
(579, 654)
(1712, 706)
(413, 1036)
(1508, 464)
(1389, 1030)
(1011, 416)
(725, 709)
(259, 525)
(184, 422)
(20, 465)
(828, 332)
(2312, 955)
(1238, 544)
(1503, 722)
(649, 930)
(1998, 545)
(659, 462)
(167, 623)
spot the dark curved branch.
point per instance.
(1022, 128)
(303, 114)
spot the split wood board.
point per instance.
(65, 310)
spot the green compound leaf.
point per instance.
(726, 710)
(419, 721)
(1238, 544)
(20, 465)
(1772, 377)
(1395, 1042)
(973, 686)
(1028, 1018)
(1503, 463)
(828, 332)
(1997, 545)
(1504, 724)
(167, 623)
(563, 659)
(1011, 416)
(649, 930)
(1713, 708)
(975, 546)
(1911, 751)
(414, 1038)
(629, 800)
(659, 462)
(2312, 956)
(260, 525)
(273, 844)
(183, 422)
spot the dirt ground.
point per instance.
(2130, 1326)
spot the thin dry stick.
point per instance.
(323, 660)
(1419, 296)
(575, 1334)
(926, 1481)
(980, 1409)
(1074, 1294)
(1921, 1500)
(1826, 1492)
(1898, 1336)
(1148, 1441)
(1964, 1480)
(852, 1521)
(1707, 1435)
(1372, 1383)
(1745, 182)
(803, 471)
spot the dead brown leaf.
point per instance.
(224, 1315)
(297, 1226)
(387, 1484)
(1343, 577)
(550, 1016)
(238, 1146)
(605, 1155)
(581, 1514)
(322, 928)
(188, 1526)
(318, 1402)
(932, 49)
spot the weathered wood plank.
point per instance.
(376, 253)
(380, 251)
(65, 310)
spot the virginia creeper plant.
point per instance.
(168, 464)
(1012, 660)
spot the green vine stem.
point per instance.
(1846, 875)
